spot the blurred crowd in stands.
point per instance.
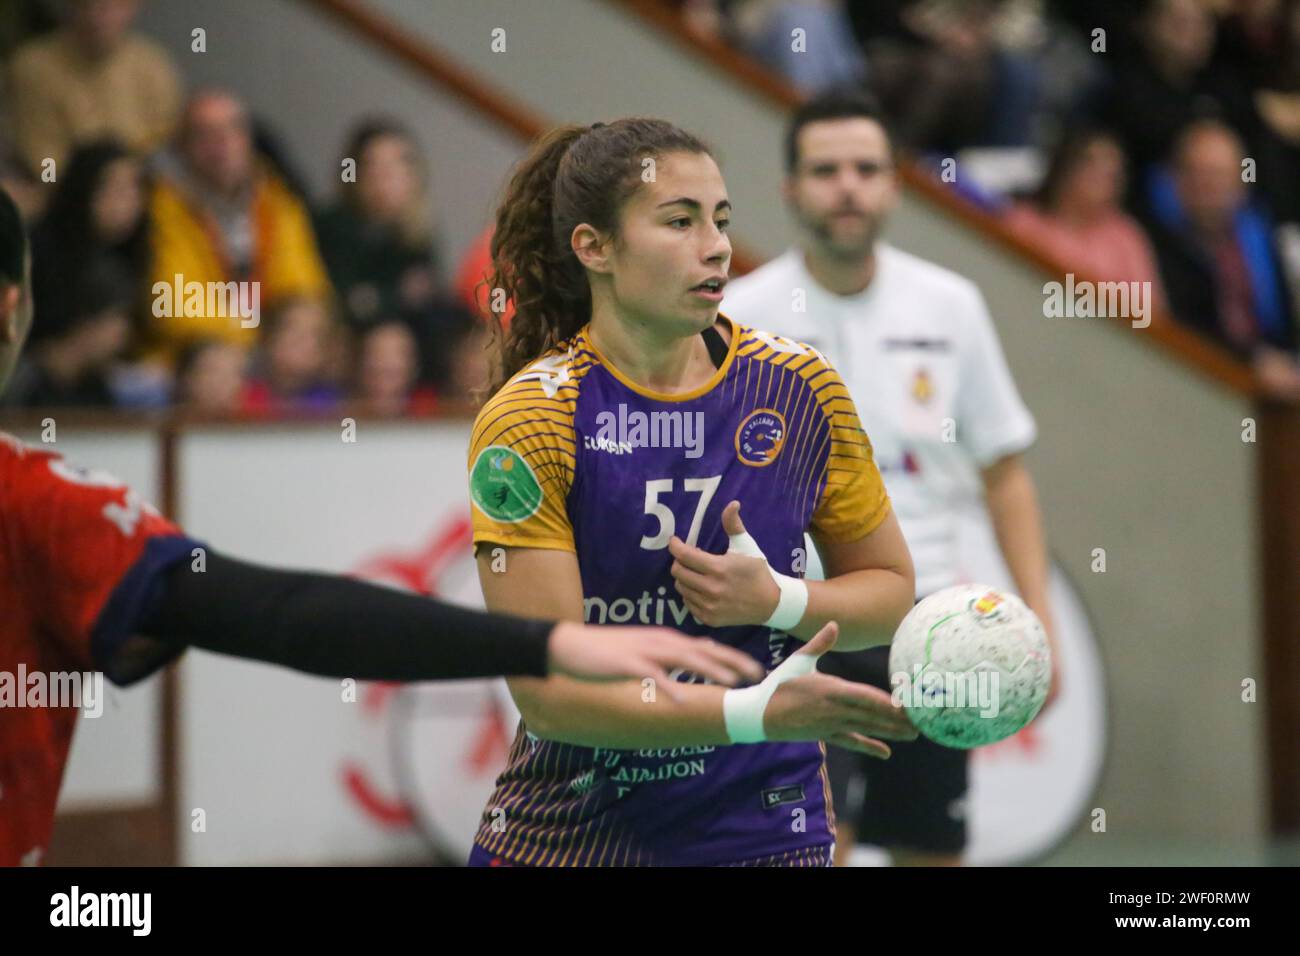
(1131, 140)
(137, 193)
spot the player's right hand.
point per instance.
(621, 653)
(844, 713)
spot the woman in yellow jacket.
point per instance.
(199, 292)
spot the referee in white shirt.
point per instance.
(917, 349)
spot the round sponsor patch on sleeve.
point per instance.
(502, 485)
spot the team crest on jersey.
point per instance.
(760, 437)
(503, 486)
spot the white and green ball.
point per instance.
(971, 665)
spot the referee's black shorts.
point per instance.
(915, 800)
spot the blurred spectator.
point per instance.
(1274, 62)
(97, 212)
(1253, 40)
(296, 364)
(1163, 85)
(1077, 219)
(89, 79)
(1073, 78)
(379, 244)
(1278, 84)
(211, 378)
(388, 372)
(219, 215)
(952, 74)
(830, 55)
(69, 365)
(1219, 260)
(376, 239)
(1116, 18)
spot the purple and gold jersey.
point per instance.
(571, 455)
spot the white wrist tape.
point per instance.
(743, 709)
(794, 591)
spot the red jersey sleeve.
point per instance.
(90, 552)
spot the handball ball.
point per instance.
(971, 665)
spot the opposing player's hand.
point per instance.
(821, 707)
(620, 653)
(723, 590)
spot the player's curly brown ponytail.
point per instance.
(572, 175)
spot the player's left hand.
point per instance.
(724, 590)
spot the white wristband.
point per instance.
(742, 709)
(793, 601)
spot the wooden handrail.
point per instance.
(1278, 524)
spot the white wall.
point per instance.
(265, 749)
